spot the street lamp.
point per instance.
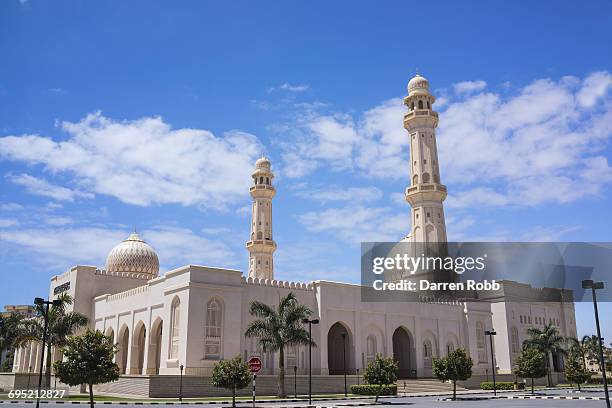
(295, 380)
(357, 376)
(181, 384)
(310, 323)
(589, 284)
(45, 304)
(344, 361)
(492, 333)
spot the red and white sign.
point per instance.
(254, 364)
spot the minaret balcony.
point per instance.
(266, 243)
(426, 192)
(262, 190)
(420, 117)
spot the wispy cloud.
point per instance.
(42, 187)
(338, 193)
(466, 87)
(290, 87)
(140, 162)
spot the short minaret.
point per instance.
(425, 193)
(261, 246)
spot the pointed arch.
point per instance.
(175, 328)
(213, 328)
(340, 346)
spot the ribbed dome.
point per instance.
(418, 84)
(133, 256)
(263, 163)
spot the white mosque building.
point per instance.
(194, 316)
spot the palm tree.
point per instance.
(547, 341)
(9, 331)
(277, 329)
(61, 324)
(591, 346)
(583, 348)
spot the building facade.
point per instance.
(194, 316)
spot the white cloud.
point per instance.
(10, 207)
(62, 247)
(291, 88)
(337, 193)
(42, 187)
(466, 87)
(356, 223)
(594, 87)
(533, 146)
(58, 221)
(177, 246)
(8, 222)
(144, 161)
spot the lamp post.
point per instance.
(181, 384)
(45, 304)
(29, 376)
(589, 284)
(492, 333)
(310, 323)
(295, 380)
(357, 376)
(344, 361)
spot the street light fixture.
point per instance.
(492, 333)
(344, 361)
(181, 384)
(310, 323)
(45, 304)
(295, 380)
(589, 284)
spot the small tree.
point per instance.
(382, 371)
(232, 375)
(88, 359)
(575, 371)
(457, 366)
(530, 364)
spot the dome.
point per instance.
(263, 163)
(418, 84)
(133, 256)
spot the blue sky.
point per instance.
(148, 114)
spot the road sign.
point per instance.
(254, 364)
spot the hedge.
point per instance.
(503, 385)
(369, 389)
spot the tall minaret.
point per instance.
(425, 193)
(261, 246)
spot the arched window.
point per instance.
(415, 180)
(480, 335)
(370, 349)
(425, 177)
(428, 105)
(427, 353)
(420, 104)
(259, 235)
(514, 339)
(175, 318)
(292, 357)
(268, 180)
(412, 106)
(450, 347)
(214, 330)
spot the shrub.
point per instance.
(503, 385)
(370, 389)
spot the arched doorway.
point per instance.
(339, 350)
(155, 347)
(138, 350)
(124, 344)
(402, 352)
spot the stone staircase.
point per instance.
(424, 386)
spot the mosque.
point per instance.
(194, 316)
